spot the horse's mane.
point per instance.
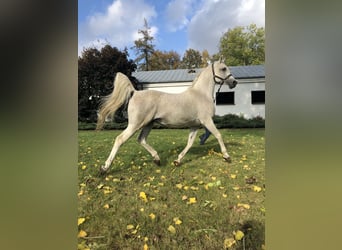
(196, 78)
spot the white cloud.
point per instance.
(177, 12)
(118, 25)
(215, 17)
(204, 21)
(252, 11)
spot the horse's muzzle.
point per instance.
(233, 84)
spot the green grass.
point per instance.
(116, 217)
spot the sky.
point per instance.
(175, 24)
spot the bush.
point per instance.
(235, 121)
(92, 125)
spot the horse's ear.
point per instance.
(221, 59)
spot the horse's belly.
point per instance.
(178, 123)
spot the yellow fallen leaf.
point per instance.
(246, 167)
(129, 227)
(171, 229)
(246, 206)
(192, 200)
(228, 243)
(179, 186)
(81, 234)
(80, 221)
(106, 206)
(177, 221)
(224, 195)
(233, 176)
(82, 246)
(256, 188)
(145, 247)
(152, 216)
(184, 197)
(236, 188)
(107, 191)
(143, 196)
(84, 167)
(239, 235)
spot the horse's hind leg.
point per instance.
(119, 140)
(191, 139)
(142, 140)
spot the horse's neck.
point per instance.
(205, 84)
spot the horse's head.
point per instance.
(221, 74)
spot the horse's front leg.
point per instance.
(212, 128)
(191, 139)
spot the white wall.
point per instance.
(243, 105)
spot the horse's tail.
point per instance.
(123, 90)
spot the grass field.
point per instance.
(205, 203)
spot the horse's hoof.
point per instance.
(176, 163)
(228, 159)
(103, 170)
(157, 162)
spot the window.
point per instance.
(258, 97)
(225, 98)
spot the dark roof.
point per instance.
(251, 71)
(185, 75)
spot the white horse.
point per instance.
(192, 108)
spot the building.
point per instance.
(247, 98)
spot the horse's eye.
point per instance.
(224, 69)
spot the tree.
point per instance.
(144, 47)
(243, 45)
(205, 58)
(191, 59)
(96, 73)
(164, 60)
